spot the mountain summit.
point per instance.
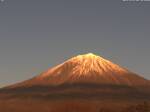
(86, 68)
(85, 65)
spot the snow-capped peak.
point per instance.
(86, 64)
(86, 68)
(90, 63)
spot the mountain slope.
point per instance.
(87, 68)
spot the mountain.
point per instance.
(87, 68)
(84, 83)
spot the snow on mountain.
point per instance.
(87, 68)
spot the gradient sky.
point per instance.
(38, 34)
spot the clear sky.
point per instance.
(38, 34)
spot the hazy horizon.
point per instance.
(36, 35)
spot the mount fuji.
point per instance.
(83, 81)
(86, 68)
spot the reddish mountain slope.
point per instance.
(88, 68)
